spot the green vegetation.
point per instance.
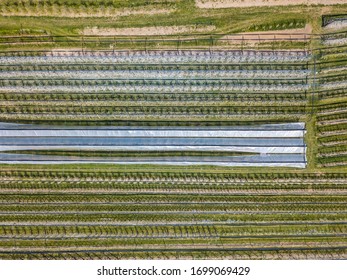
(91, 211)
(179, 209)
(184, 12)
(331, 113)
(279, 25)
(44, 18)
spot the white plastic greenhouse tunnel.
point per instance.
(267, 145)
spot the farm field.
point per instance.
(214, 134)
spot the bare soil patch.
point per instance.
(152, 30)
(212, 4)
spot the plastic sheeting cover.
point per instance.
(276, 144)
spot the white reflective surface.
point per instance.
(273, 144)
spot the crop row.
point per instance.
(329, 65)
(167, 208)
(245, 87)
(337, 160)
(165, 216)
(162, 245)
(154, 57)
(332, 93)
(102, 188)
(333, 78)
(336, 106)
(76, 6)
(331, 150)
(148, 82)
(149, 243)
(137, 97)
(334, 35)
(164, 178)
(275, 253)
(136, 110)
(332, 117)
(155, 67)
(174, 198)
(328, 53)
(153, 75)
(27, 174)
(337, 138)
(339, 128)
(143, 119)
(165, 231)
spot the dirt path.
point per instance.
(152, 30)
(211, 4)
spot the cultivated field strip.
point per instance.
(264, 97)
(154, 85)
(68, 212)
(334, 39)
(152, 74)
(57, 219)
(270, 254)
(153, 57)
(332, 117)
(246, 67)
